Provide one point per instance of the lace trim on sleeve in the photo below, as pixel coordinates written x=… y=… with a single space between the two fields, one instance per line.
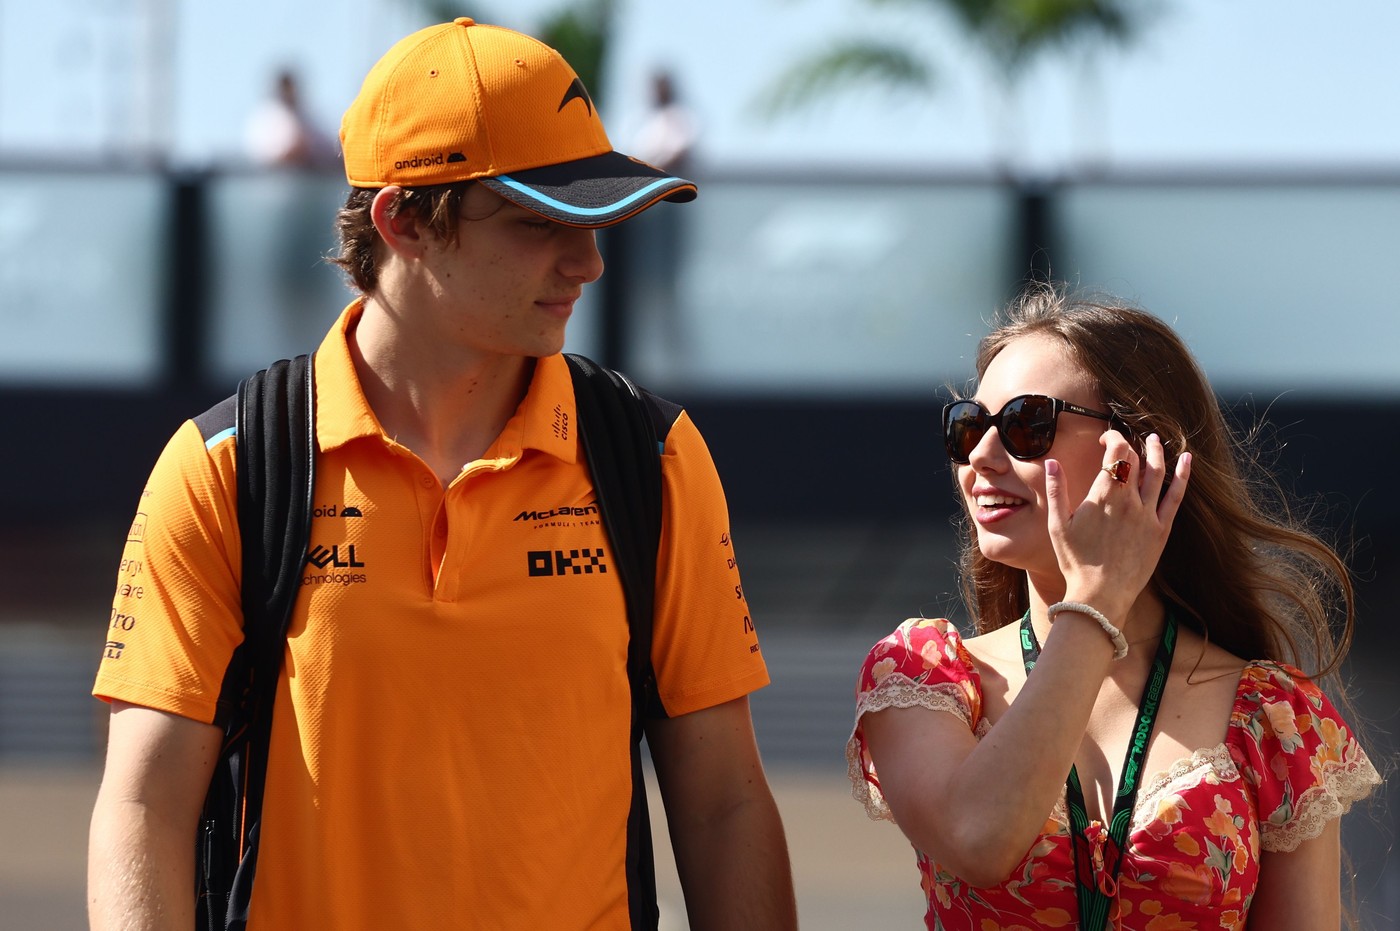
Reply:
x=1190 y=768
x=1342 y=784
x=898 y=691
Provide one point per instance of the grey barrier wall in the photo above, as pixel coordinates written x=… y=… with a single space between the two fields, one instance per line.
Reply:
x=82 y=297
x=806 y=316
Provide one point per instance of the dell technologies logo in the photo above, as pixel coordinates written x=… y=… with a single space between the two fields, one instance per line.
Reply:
x=337 y=565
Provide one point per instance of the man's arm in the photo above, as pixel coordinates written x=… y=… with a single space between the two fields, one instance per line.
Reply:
x=725 y=829
x=141 y=845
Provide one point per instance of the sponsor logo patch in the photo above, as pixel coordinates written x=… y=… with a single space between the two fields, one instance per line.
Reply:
x=588 y=510
x=337 y=510
x=429 y=159
x=550 y=563
x=333 y=563
x=577 y=91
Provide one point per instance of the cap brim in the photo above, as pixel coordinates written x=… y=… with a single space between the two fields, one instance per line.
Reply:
x=591 y=192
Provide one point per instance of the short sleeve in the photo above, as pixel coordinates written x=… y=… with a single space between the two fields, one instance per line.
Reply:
x=923 y=664
x=1293 y=749
x=176 y=617
x=704 y=644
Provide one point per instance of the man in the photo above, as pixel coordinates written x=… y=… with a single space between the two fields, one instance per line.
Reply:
x=450 y=744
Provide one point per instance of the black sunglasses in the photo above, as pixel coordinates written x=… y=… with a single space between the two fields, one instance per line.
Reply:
x=1026 y=425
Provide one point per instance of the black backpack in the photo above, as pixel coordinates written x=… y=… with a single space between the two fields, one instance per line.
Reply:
x=622 y=429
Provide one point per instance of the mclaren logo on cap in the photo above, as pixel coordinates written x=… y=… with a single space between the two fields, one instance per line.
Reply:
x=577 y=91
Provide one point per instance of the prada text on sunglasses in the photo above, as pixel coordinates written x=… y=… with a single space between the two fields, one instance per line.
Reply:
x=1026 y=425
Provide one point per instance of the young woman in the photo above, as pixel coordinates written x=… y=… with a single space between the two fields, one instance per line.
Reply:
x=1141 y=621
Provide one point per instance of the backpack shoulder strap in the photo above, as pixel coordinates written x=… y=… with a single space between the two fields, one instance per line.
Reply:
x=276 y=465
x=622 y=429
x=275 y=423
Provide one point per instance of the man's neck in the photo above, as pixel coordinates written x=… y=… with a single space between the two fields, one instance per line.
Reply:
x=446 y=403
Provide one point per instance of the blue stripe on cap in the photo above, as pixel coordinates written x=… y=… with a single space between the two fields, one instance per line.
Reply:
x=582 y=211
x=219 y=437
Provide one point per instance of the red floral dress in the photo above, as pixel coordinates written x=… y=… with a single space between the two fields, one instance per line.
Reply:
x=1288 y=765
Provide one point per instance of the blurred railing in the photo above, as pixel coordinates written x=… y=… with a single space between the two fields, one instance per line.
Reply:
x=809 y=314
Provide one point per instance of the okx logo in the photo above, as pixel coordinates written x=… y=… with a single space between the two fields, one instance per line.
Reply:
x=567 y=562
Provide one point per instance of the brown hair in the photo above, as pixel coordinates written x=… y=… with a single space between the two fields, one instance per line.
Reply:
x=438 y=206
x=1240 y=566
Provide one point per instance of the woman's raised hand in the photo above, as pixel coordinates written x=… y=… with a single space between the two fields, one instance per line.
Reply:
x=1108 y=545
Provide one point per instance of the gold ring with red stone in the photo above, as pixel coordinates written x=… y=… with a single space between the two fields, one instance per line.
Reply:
x=1118 y=470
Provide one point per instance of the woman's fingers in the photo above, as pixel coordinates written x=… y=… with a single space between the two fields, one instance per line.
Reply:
x=1059 y=508
x=1176 y=492
x=1154 y=468
x=1120 y=528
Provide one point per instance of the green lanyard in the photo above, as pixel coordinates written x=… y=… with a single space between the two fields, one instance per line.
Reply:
x=1104 y=860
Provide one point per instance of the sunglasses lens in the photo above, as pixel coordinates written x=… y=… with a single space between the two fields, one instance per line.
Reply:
x=1028 y=426
x=965 y=423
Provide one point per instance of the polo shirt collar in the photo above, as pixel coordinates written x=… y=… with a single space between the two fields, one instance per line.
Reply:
x=546 y=419
x=342 y=413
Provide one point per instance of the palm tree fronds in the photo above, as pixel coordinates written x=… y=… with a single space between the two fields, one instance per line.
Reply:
x=1015 y=31
x=842 y=67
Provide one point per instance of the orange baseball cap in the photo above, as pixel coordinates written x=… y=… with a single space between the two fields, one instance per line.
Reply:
x=465 y=101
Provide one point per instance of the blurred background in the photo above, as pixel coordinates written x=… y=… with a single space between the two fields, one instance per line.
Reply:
x=877 y=179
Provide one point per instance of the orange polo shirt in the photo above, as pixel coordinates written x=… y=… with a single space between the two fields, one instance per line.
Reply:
x=450 y=745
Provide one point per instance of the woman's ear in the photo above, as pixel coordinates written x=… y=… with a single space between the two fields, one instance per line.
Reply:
x=399 y=228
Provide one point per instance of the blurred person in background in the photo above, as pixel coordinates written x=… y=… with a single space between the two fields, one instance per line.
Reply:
x=281 y=134
x=1141 y=615
x=654 y=245
x=295 y=159
x=451 y=737
x=668 y=134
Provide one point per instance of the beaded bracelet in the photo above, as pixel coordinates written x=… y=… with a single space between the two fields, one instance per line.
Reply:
x=1120 y=643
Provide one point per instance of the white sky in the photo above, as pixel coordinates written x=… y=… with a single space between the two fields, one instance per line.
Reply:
x=1233 y=83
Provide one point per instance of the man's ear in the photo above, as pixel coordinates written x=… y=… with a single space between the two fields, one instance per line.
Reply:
x=399 y=229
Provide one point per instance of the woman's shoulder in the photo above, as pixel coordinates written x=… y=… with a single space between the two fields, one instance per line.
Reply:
x=1294 y=747
x=1276 y=701
x=1266 y=681
x=922 y=664
x=919 y=649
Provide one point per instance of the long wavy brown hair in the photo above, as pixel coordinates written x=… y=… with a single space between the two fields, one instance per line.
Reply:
x=1240 y=564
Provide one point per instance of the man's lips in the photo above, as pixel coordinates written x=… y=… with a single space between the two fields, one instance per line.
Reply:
x=559 y=305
